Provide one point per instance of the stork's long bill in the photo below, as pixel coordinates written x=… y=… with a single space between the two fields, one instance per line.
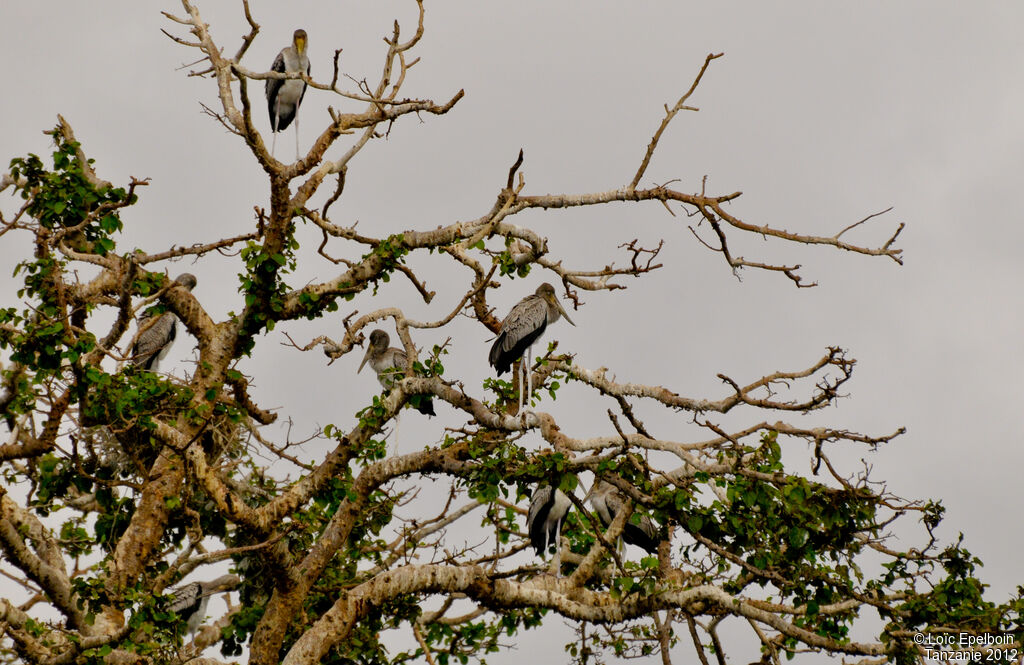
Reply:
x=299 y=40
x=561 y=310
x=366 y=357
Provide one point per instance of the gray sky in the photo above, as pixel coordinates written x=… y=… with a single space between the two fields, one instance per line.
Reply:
x=821 y=113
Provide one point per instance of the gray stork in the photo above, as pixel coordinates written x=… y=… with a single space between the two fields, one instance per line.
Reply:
x=607 y=501
x=285 y=95
x=548 y=509
x=189 y=601
x=156 y=337
x=521 y=328
x=389 y=364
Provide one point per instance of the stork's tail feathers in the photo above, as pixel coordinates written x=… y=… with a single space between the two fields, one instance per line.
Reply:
x=499 y=361
x=146 y=362
x=426 y=405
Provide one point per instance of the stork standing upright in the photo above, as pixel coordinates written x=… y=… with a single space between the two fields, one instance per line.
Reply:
x=155 y=337
x=285 y=95
x=189 y=601
x=521 y=328
x=548 y=509
x=607 y=501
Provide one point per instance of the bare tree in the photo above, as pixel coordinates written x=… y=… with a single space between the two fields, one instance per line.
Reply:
x=119 y=481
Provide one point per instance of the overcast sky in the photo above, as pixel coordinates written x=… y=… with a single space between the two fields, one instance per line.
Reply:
x=821 y=113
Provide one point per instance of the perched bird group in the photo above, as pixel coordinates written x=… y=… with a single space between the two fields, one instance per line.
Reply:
x=549 y=506
x=523 y=326
x=520 y=329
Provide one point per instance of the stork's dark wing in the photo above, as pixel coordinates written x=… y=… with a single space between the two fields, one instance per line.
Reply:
x=540 y=507
x=521 y=328
x=155 y=337
x=274 y=85
x=640 y=530
x=644 y=535
x=186 y=599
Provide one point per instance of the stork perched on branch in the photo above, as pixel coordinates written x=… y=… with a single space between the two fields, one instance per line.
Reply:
x=608 y=501
x=389 y=364
x=548 y=509
x=522 y=327
x=189 y=601
x=156 y=336
x=285 y=95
